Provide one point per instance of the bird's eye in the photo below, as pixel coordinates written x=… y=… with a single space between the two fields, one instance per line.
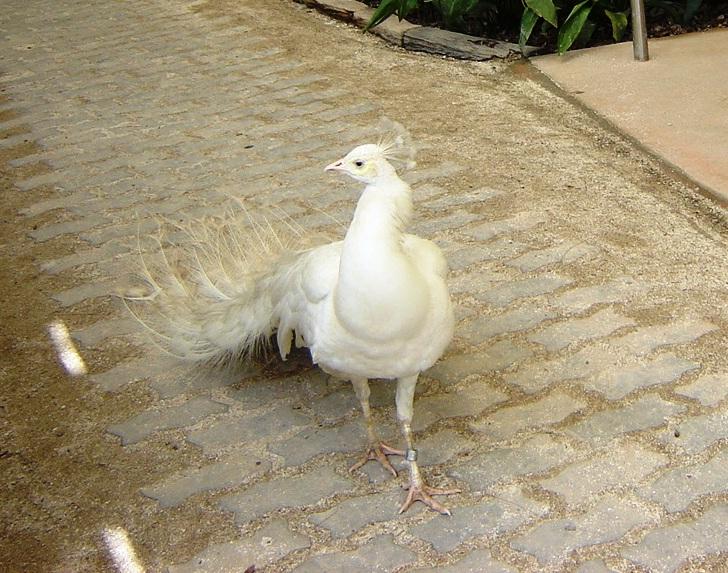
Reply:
x=358 y=163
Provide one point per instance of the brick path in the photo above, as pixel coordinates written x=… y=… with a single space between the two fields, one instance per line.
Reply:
x=582 y=408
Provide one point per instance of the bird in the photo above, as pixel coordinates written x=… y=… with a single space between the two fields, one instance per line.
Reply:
x=374 y=305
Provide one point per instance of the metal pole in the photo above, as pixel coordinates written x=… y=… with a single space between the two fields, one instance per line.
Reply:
x=639 y=31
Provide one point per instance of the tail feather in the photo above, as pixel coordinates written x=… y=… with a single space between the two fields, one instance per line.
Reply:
x=209 y=293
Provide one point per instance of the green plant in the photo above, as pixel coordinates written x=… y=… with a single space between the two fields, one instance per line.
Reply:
x=573 y=21
x=679 y=11
x=578 y=24
x=387 y=8
x=452 y=12
x=691 y=8
x=581 y=21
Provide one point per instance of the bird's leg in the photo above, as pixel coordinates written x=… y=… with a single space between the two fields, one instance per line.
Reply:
x=376 y=449
x=418 y=489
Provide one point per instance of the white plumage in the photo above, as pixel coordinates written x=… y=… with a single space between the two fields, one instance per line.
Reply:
x=374 y=305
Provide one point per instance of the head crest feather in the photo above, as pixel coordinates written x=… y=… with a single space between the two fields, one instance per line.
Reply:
x=395 y=144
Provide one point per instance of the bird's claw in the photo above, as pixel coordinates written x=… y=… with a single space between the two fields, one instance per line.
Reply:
x=424 y=494
x=378 y=452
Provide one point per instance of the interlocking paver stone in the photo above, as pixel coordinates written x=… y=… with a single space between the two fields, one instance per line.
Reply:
x=521 y=222
x=709 y=390
x=376 y=473
x=317 y=440
x=14 y=140
x=305 y=489
x=697 y=433
x=625 y=465
x=379 y=555
x=266 y=546
x=353 y=514
x=336 y=405
x=508 y=421
x=143 y=425
x=426 y=192
x=665 y=549
x=444 y=169
x=230 y=471
x=246 y=428
x=665 y=368
x=677 y=488
x=648 y=338
x=610 y=519
x=599 y=361
x=595 y=566
x=476 y=280
x=535 y=455
x=103 y=329
x=261 y=391
x=489 y=517
x=647 y=412
x=563 y=253
x=185 y=380
x=498 y=249
x=504 y=294
x=498 y=356
x=478 y=561
x=451 y=221
x=600 y=324
x=67 y=227
x=77 y=294
x=469 y=400
x=582 y=298
x=441 y=446
x=481 y=329
x=461 y=198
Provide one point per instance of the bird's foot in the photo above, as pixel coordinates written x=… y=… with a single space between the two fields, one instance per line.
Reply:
x=378 y=452
x=424 y=493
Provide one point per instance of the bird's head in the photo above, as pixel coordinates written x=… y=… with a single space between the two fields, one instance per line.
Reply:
x=367 y=163
x=372 y=162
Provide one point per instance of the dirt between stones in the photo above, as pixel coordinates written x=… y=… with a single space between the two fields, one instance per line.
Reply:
x=64 y=477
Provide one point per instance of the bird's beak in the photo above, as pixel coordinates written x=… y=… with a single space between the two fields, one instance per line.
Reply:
x=335 y=166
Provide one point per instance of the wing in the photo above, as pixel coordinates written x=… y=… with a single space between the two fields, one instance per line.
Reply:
x=321 y=272
x=426 y=255
x=297 y=310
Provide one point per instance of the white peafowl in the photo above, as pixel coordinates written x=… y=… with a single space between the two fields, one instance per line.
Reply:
x=374 y=305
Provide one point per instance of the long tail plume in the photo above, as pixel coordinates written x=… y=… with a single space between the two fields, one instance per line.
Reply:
x=204 y=297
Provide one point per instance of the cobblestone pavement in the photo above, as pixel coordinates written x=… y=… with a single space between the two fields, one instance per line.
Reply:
x=582 y=407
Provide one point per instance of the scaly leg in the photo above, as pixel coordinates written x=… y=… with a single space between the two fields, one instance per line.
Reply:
x=376 y=450
x=418 y=489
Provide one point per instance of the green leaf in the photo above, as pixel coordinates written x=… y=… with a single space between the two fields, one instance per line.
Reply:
x=545 y=9
x=691 y=8
x=453 y=11
x=388 y=7
x=571 y=28
x=385 y=9
x=586 y=33
x=619 y=23
x=528 y=21
x=405 y=7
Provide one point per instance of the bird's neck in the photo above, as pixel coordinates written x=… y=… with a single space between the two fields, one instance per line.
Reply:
x=383 y=211
x=379 y=289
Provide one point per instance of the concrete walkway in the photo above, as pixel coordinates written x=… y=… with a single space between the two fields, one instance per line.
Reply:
x=676 y=104
x=582 y=408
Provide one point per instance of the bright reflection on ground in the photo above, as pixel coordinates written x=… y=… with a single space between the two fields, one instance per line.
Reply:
x=121 y=551
x=66 y=349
